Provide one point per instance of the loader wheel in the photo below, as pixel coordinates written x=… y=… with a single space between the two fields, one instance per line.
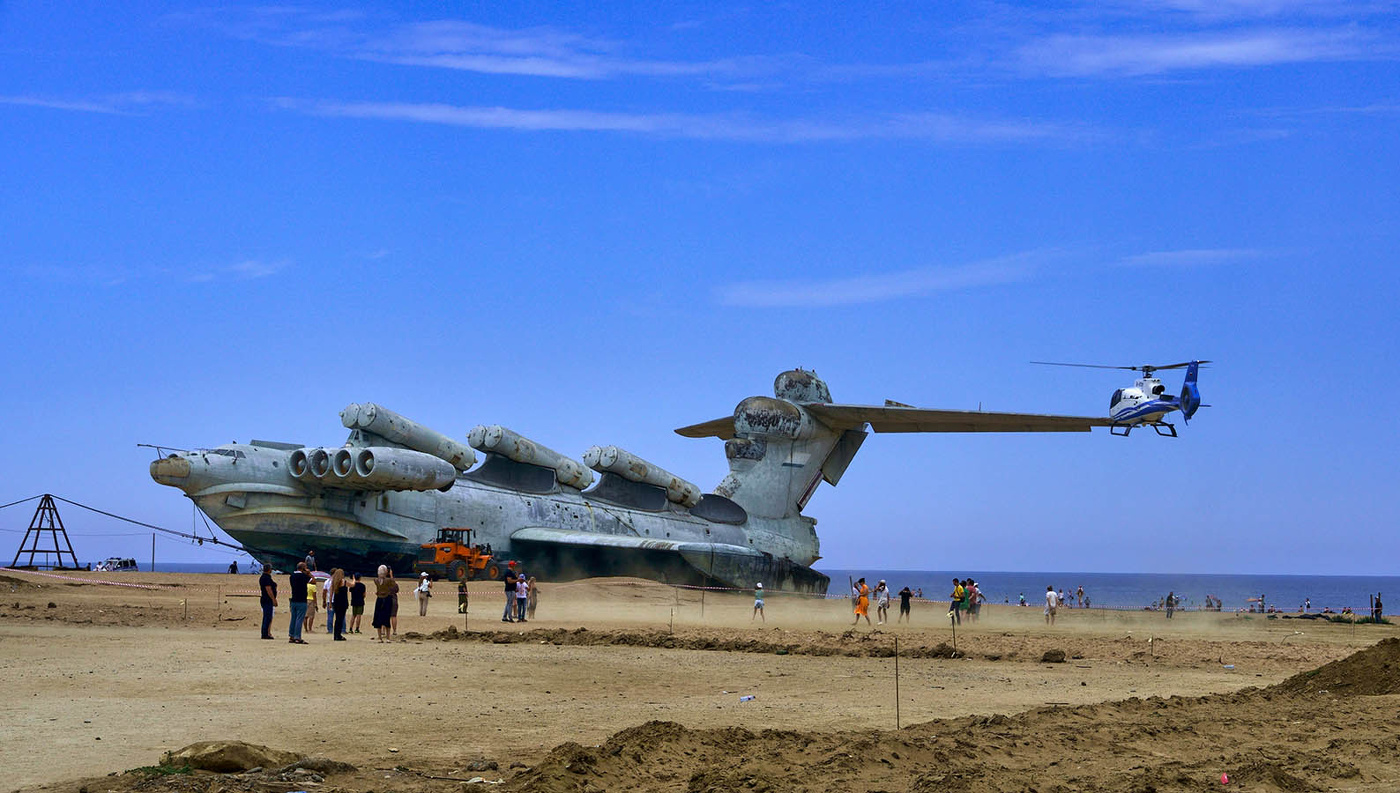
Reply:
x=493 y=572
x=458 y=571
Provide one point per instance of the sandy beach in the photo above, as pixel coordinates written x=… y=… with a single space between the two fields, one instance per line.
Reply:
x=626 y=684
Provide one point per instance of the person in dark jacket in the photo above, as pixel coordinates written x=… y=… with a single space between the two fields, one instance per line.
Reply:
x=267 y=591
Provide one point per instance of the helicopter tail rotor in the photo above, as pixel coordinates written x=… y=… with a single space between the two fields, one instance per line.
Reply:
x=1190 y=393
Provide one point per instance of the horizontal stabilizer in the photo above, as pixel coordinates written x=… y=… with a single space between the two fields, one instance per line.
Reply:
x=893 y=418
x=719 y=428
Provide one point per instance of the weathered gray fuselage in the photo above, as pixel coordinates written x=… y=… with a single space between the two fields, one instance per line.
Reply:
x=530 y=503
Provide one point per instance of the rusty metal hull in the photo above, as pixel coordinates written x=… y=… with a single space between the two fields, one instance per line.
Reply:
x=358 y=531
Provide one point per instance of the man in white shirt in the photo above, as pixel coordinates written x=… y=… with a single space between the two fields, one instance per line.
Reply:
x=1052 y=602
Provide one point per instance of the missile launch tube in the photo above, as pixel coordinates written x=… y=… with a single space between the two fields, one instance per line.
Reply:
x=499 y=440
x=391 y=426
x=631 y=467
x=383 y=468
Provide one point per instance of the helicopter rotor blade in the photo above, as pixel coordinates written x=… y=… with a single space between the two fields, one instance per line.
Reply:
x=1087 y=365
x=1182 y=365
x=1145 y=368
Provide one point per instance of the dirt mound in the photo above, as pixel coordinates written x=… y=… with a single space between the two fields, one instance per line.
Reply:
x=228 y=756
x=1375 y=670
x=851 y=644
x=1132 y=746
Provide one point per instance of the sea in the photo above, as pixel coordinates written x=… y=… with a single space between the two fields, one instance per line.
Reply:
x=1120 y=591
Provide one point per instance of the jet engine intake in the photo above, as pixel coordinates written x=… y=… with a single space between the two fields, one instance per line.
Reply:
x=499 y=440
x=633 y=468
x=391 y=426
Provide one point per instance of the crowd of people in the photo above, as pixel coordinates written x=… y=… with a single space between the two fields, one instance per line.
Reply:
x=343 y=598
x=862 y=594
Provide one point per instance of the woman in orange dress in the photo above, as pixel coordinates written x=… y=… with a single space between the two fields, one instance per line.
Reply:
x=862 y=602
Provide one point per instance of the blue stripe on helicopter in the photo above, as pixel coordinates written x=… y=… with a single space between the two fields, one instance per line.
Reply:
x=1145 y=409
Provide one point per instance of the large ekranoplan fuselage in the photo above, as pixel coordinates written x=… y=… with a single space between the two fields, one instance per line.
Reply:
x=519 y=509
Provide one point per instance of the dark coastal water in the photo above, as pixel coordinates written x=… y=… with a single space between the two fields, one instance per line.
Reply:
x=1137 y=590
x=1105 y=590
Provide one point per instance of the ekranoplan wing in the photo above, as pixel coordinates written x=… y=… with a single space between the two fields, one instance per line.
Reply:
x=899 y=418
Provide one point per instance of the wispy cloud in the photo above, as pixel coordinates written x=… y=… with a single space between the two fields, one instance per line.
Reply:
x=116 y=275
x=876 y=288
x=245 y=270
x=129 y=103
x=1194 y=257
x=1075 y=56
x=932 y=127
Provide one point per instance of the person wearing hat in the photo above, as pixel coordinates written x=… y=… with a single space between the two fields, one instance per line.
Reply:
x=423 y=591
x=758 y=602
x=882 y=602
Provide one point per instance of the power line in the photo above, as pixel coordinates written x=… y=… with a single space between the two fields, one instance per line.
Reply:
x=195 y=537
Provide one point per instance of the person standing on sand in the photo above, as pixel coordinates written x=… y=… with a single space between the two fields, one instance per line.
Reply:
x=1080 y=595
x=297 y=603
x=326 y=603
x=1170 y=603
x=462 y=596
x=340 y=602
x=862 y=602
x=974 y=600
x=758 y=602
x=383 y=604
x=1376 y=608
x=393 y=603
x=509 y=581
x=267 y=590
x=1052 y=603
x=311 y=561
x=423 y=591
x=905 y=596
x=534 y=598
x=311 y=597
x=882 y=602
x=357 y=604
x=956 y=601
x=522 y=595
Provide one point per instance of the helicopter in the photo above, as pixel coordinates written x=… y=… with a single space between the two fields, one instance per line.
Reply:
x=1146 y=403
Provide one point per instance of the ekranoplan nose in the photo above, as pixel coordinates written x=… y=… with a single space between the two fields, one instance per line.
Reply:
x=172 y=470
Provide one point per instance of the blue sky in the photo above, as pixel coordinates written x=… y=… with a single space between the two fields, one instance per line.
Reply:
x=596 y=224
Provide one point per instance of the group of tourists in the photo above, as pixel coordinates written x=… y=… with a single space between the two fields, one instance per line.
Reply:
x=861 y=595
x=343 y=597
x=965 y=599
x=521 y=596
x=337 y=594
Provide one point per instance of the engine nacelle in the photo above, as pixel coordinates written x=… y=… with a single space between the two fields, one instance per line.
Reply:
x=633 y=468
x=499 y=440
x=371 y=468
x=383 y=468
x=393 y=427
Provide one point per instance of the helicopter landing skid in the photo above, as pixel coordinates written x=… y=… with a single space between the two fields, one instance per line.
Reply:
x=1161 y=427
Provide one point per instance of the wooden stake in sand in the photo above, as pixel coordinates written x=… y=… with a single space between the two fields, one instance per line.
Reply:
x=952 y=620
x=896 y=682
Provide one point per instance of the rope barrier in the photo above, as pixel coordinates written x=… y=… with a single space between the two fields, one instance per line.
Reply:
x=85 y=580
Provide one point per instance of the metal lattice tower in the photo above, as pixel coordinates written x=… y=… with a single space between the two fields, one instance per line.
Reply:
x=46 y=522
